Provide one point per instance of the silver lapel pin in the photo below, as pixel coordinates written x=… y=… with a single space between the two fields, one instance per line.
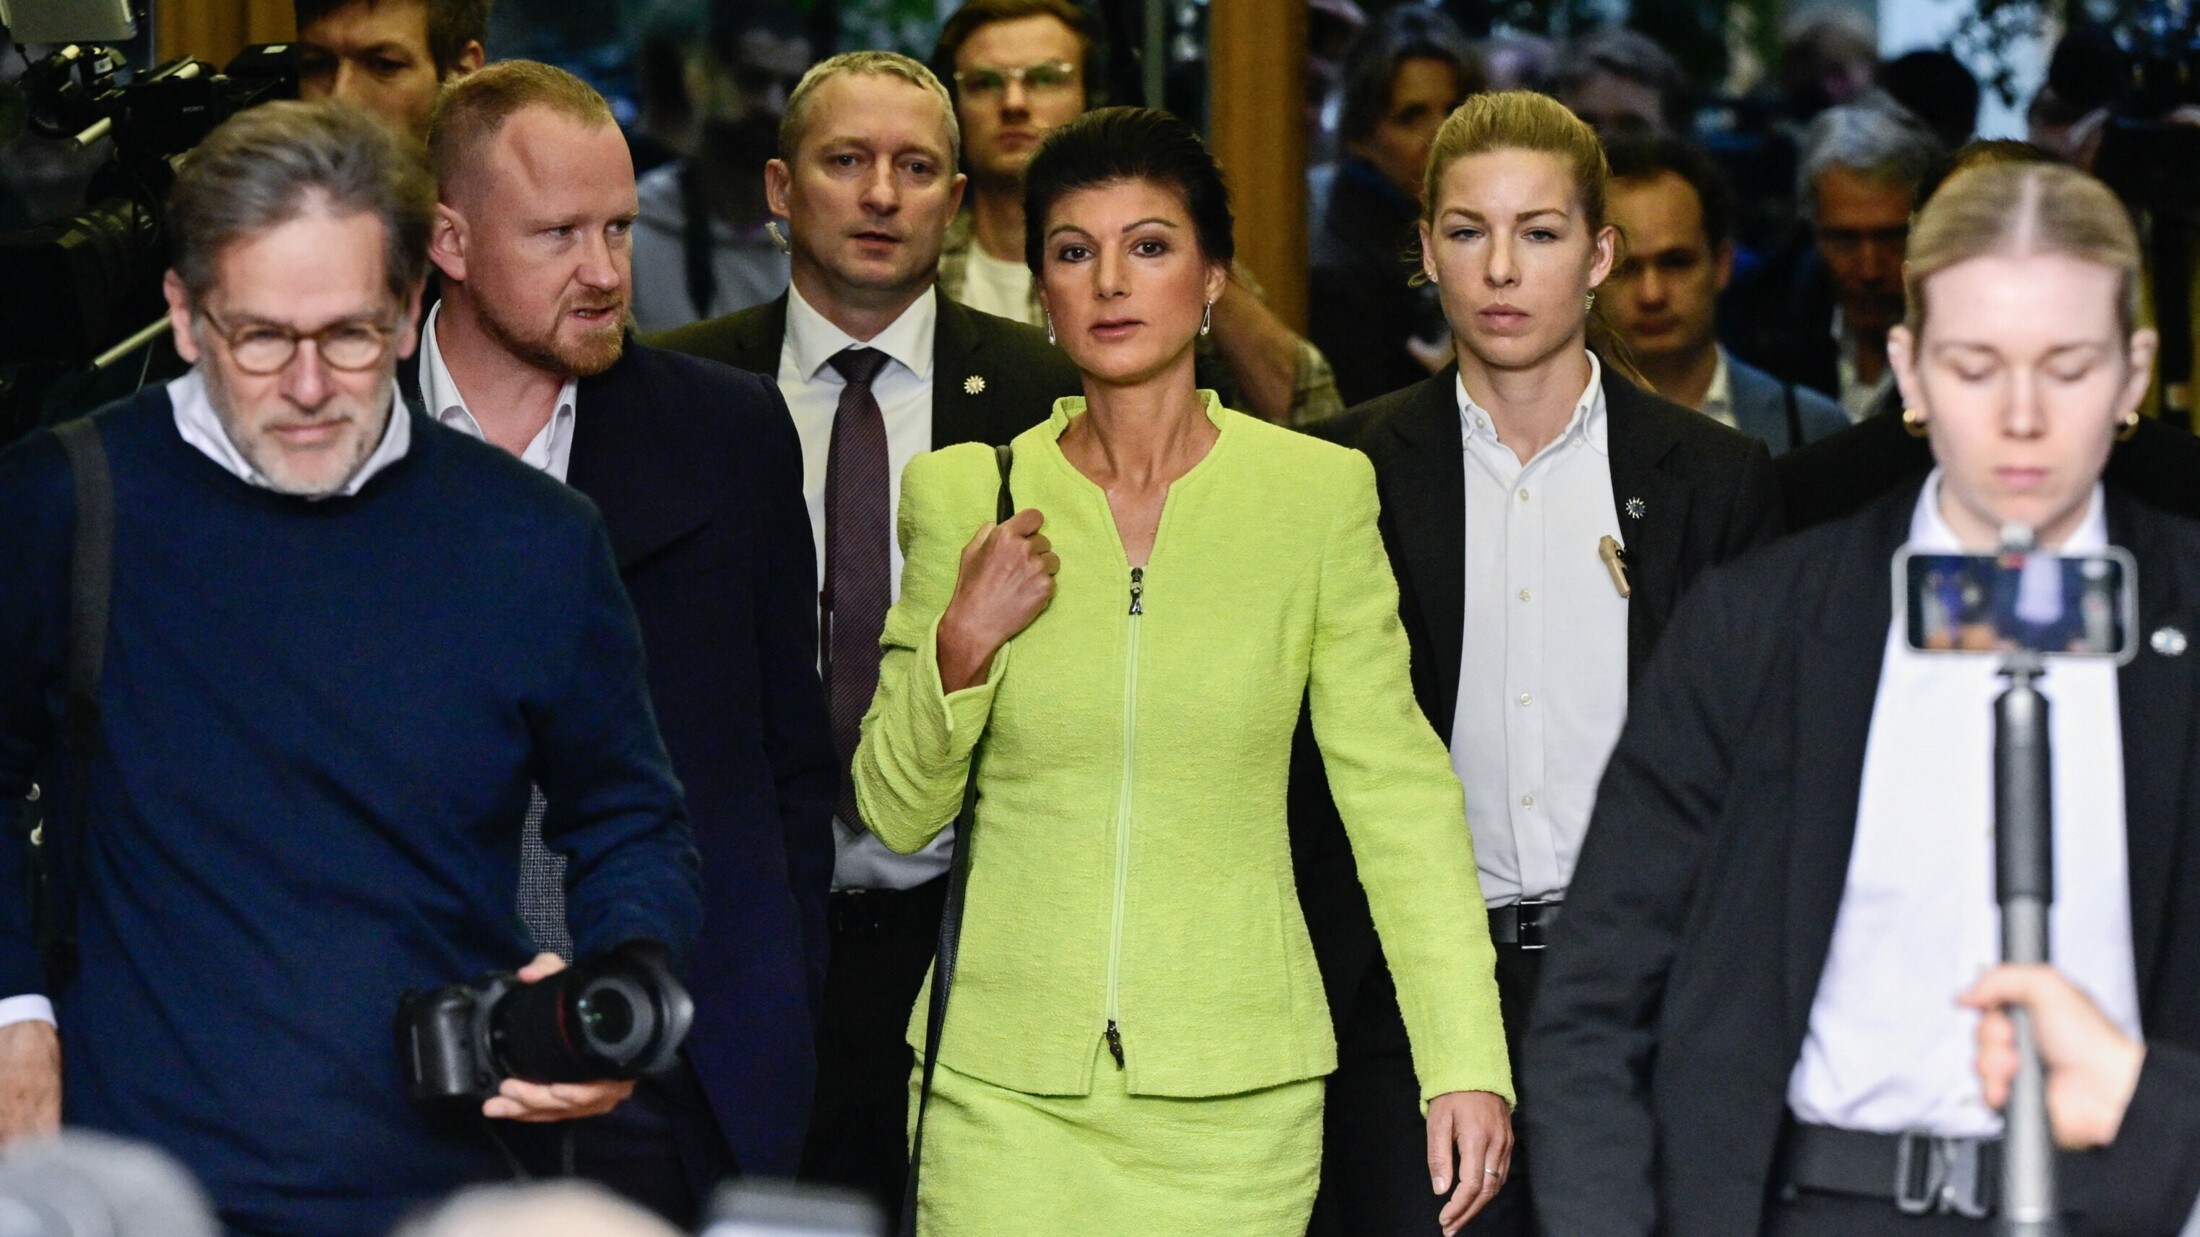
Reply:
x=1635 y=508
x=2168 y=641
x=973 y=385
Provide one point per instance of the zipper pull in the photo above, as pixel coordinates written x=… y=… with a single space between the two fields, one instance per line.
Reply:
x=1115 y=1043
x=1138 y=606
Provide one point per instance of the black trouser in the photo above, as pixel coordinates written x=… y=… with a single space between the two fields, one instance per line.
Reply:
x=1375 y=1180
x=662 y=1148
x=882 y=943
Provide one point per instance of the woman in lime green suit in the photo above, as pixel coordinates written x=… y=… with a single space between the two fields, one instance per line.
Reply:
x=1137 y=1037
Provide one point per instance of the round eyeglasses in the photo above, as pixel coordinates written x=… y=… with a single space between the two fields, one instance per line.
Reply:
x=264 y=348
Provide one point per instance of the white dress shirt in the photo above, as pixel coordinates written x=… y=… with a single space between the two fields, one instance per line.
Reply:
x=1543 y=670
x=1002 y=289
x=1718 y=398
x=1859 y=398
x=199 y=425
x=1888 y=1049
x=551 y=449
x=903 y=389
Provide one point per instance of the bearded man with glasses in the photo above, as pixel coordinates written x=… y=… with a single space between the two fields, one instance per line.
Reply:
x=340 y=642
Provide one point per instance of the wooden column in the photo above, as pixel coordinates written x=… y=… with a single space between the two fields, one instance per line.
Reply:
x=218 y=29
x=1257 y=58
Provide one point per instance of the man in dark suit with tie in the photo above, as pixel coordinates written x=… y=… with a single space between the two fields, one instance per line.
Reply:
x=698 y=473
x=876 y=366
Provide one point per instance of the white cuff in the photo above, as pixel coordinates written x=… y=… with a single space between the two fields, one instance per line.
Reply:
x=27 y=1008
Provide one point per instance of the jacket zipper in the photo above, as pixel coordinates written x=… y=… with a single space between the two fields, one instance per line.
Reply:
x=1123 y=813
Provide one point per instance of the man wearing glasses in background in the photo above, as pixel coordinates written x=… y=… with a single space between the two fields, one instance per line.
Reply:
x=1018 y=69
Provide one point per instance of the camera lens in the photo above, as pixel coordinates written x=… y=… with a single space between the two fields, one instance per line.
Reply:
x=607 y=1014
x=618 y=1015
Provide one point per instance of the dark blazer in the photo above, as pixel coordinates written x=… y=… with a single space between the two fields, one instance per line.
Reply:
x=1837 y=476
x=698 y=474
x=1707 y=495
x=992 y=379
x=1678 y=988
x=1784 y=415
x=2161 y=1137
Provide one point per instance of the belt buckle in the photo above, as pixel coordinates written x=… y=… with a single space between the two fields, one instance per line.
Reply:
x=1919 y=1174
x=1530 y=932
x=1966 y=1180
x=1940 y=1176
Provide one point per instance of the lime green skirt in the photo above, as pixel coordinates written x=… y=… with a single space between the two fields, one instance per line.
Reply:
x=999 y=1163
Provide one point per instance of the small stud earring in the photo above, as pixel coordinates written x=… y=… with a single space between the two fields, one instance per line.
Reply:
x=2129 y=427
x=1207 y=319
x=1050 y=325
x=1914 y=422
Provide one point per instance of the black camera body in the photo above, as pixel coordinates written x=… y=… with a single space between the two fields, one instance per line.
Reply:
x=619 y=1015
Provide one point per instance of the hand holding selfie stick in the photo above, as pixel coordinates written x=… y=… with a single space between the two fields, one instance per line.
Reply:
x=2024 y=870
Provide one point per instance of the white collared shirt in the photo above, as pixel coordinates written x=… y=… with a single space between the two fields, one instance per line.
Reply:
x=202 y=427
x=903 y=389
x=1888 y=1050
x=1543 y=667
x=1859 y=398
x=1718 y=398
x=551 y=449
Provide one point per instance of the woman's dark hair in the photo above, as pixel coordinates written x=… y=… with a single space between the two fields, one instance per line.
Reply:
x=1371 y=64
x=1127 y=143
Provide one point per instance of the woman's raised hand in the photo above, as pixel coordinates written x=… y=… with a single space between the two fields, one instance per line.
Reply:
x=1007 y=578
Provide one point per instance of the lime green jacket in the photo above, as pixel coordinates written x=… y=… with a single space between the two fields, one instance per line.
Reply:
x=1130 y=864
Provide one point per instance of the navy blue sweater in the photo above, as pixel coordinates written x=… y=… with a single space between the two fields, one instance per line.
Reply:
x=321 y=719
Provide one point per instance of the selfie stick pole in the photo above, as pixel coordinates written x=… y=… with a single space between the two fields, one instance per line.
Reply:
x=2025 y=886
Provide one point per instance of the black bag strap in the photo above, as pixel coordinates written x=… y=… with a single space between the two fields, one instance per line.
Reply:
x=1795 y=418
x=958 y=885
x=91 y=585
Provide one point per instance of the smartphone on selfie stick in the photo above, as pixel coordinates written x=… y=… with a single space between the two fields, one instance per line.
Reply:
x=2022 y=606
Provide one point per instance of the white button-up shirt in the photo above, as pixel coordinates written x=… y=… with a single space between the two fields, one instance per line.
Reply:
x=903 y=389
x=1888 y=1049
x=1718 y=398
x=1543 y=670
x=551 y=449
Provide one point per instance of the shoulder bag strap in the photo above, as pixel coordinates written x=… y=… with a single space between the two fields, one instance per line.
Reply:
x=958 y=885
x=91 y=583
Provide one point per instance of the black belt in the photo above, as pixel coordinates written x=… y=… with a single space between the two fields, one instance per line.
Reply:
x=890 y=912
x=1919 y=1173
x=1525 y=924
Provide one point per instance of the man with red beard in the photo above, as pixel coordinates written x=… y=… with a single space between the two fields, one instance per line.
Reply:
x=698 y=472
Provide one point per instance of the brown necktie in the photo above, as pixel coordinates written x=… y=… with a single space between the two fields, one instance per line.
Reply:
x=858 y=559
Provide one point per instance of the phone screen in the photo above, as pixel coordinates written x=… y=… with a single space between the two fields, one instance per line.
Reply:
x=2078 y=605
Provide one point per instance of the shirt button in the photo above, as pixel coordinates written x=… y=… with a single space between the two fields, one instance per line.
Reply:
x=1527 y=800
x=1523 y=594
x=1526 y=699
x=1523 y=496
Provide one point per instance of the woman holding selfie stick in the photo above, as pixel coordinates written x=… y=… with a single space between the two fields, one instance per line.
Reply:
x=1136 y=1037
x=1749 y=1018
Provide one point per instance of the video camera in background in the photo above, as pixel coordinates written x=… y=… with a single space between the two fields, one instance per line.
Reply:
x=79 y=286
